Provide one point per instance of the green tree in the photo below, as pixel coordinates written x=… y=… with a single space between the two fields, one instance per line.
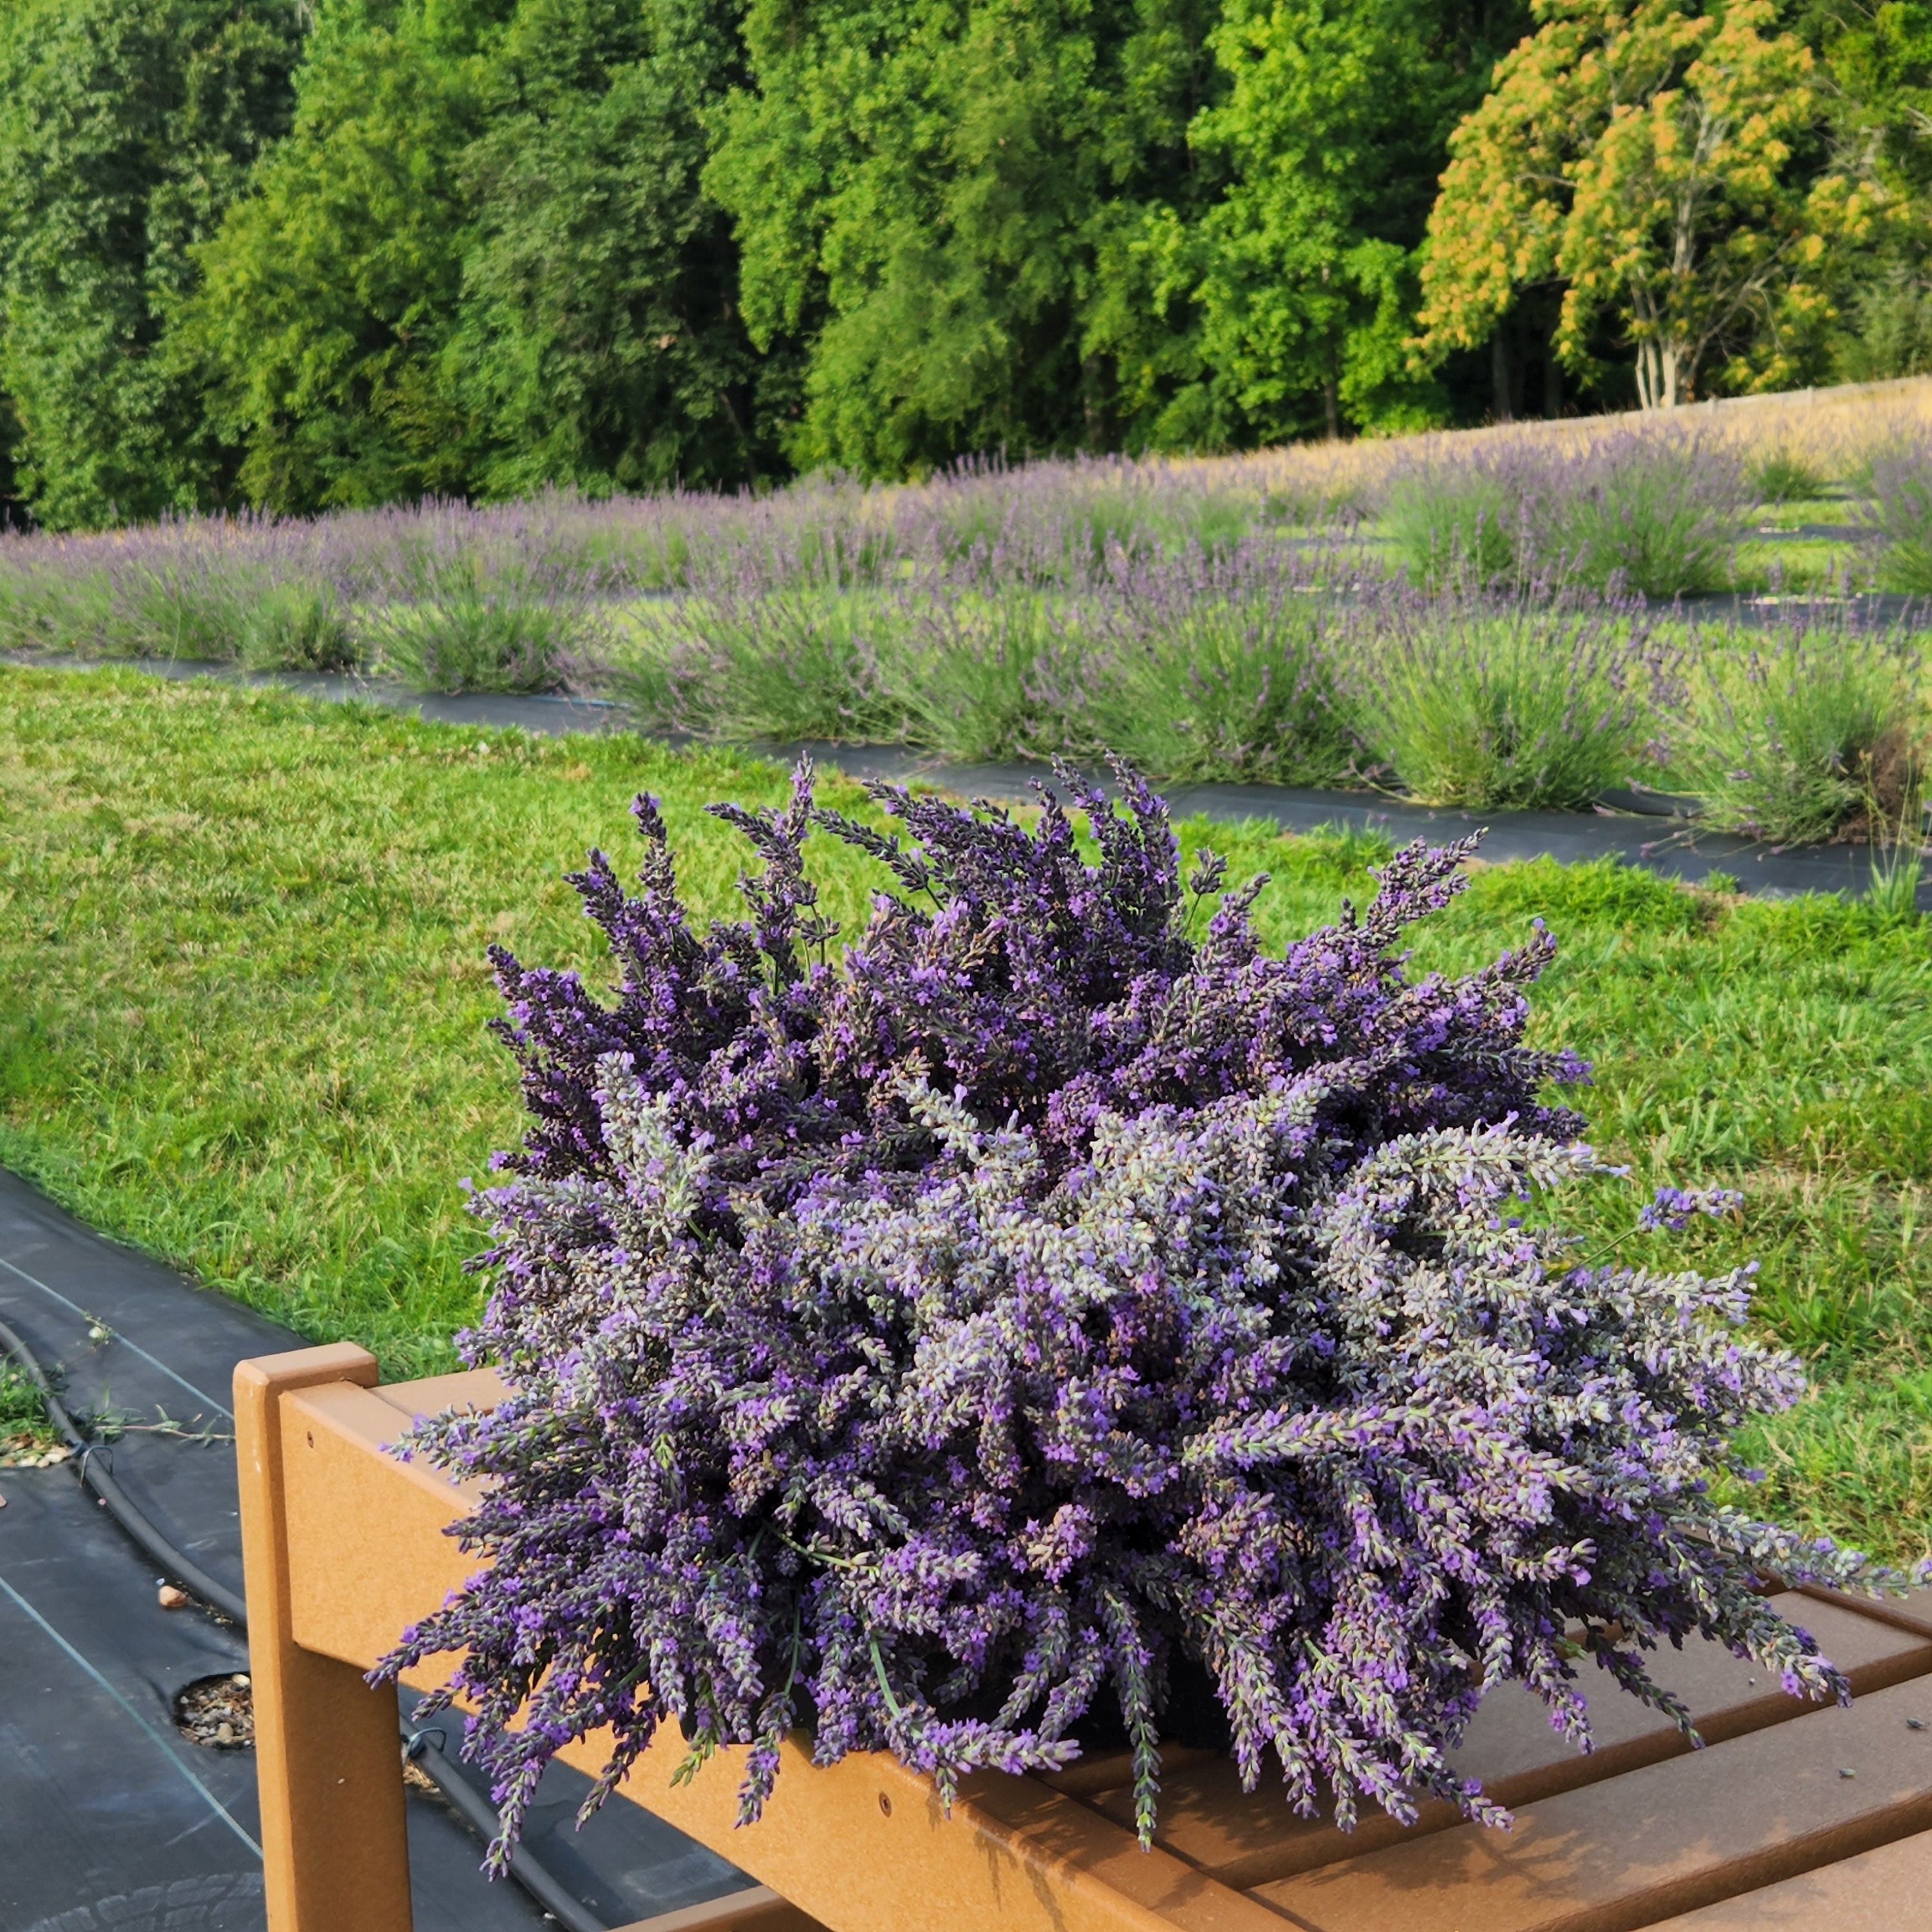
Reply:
x=1878 y=57
x=943 y=197
x=12 y=510
x=598 y=337
x=322 y=325
x=483 y=262
x=1652 y=158
x=1334 y=129
x=127 y=128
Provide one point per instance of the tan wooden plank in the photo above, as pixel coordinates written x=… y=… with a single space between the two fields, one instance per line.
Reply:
x=1913 y=1611
x=1728 y=1697
x=758 y=1909
x=864 y=1846
x=1087 y=1777
x=1889 y=1890
x=367 y=1552
x=1245 y=1839
x=462 y=1388
x=1665 y=1839
x=379 y=1560
x=334 y=1836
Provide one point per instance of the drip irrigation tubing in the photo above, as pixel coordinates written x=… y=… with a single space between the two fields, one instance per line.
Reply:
x=423 y=1748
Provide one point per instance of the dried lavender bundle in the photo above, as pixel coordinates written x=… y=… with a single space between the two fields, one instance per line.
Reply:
x=934 y=1349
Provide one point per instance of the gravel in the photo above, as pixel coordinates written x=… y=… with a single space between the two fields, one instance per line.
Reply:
x=217 y=1713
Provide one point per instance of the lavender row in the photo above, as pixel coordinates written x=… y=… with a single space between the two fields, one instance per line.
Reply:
x=1273 y=668
x=1449 y=619
x=1655 y=508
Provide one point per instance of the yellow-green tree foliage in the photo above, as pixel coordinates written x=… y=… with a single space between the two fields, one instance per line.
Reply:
x=1659 y=160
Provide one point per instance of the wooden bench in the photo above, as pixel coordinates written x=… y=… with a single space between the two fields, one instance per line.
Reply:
x=1794 y=1815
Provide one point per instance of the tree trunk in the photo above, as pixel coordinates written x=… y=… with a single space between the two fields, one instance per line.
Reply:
x=1499 y=374
x=1331 y=390
x=1552 y=385
x=1658 y=370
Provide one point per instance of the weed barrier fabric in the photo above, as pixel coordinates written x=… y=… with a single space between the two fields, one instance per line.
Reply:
x=1644 y=834
x=132 y=1339
x=1675 y=848
x=112 y=1818
x=1868 y=610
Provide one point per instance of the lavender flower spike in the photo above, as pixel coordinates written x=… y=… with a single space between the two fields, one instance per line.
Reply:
x=962 y=1348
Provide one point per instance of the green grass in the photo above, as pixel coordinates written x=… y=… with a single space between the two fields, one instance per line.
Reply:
x=1796 y=510
x=1794 y=565
x=25 y=1433
x=244 y=1025
x=243 y=950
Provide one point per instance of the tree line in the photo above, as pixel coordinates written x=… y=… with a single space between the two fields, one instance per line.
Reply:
x=305 y=253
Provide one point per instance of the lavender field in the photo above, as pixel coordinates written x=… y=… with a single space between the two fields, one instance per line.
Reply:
x=1488 y=619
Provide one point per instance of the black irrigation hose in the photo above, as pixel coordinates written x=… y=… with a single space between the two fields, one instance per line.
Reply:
x=96 y=1475
x=422 y=1748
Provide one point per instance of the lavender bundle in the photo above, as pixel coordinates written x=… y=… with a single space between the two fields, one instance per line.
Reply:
x=946 y=1349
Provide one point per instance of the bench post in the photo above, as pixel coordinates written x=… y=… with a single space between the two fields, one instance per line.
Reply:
x=328 y=1756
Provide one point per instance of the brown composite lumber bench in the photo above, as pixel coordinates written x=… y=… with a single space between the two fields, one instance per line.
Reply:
x=1795 y=1815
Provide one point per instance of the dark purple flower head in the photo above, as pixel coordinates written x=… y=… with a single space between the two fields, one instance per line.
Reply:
x=957 y=1349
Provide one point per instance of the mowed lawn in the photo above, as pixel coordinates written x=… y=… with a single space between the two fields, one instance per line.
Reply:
x=245 y=998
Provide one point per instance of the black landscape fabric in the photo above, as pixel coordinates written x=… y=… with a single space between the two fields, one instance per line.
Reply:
x=109 y=1816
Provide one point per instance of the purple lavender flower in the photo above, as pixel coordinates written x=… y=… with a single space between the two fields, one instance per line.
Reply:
x=952 y=1350
x=1676 y=1208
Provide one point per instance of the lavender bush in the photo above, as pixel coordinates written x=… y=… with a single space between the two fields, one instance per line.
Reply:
x=934 y=1349
x=1462 y=522
x=996 y=612
x=1802 y=733
x=1232 y=667
x=1201 y=664
x=956 y=659
x=297 y=626
x=1060 y=521
x=980 y=668
x=200 y=588
x=442 y=594
x=48 y=601
x=1784 y=473
x=1657 y=516
x=1506 y=702
x=1627 y=509
x=1899 y=514
x=758 y=650
x=506 y=608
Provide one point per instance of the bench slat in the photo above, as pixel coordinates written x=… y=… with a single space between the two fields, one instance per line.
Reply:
x=1245 y=1839
x=1889 y=1890
x=1665 y=1839
x=1911 y=1613
x=757 y=1908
